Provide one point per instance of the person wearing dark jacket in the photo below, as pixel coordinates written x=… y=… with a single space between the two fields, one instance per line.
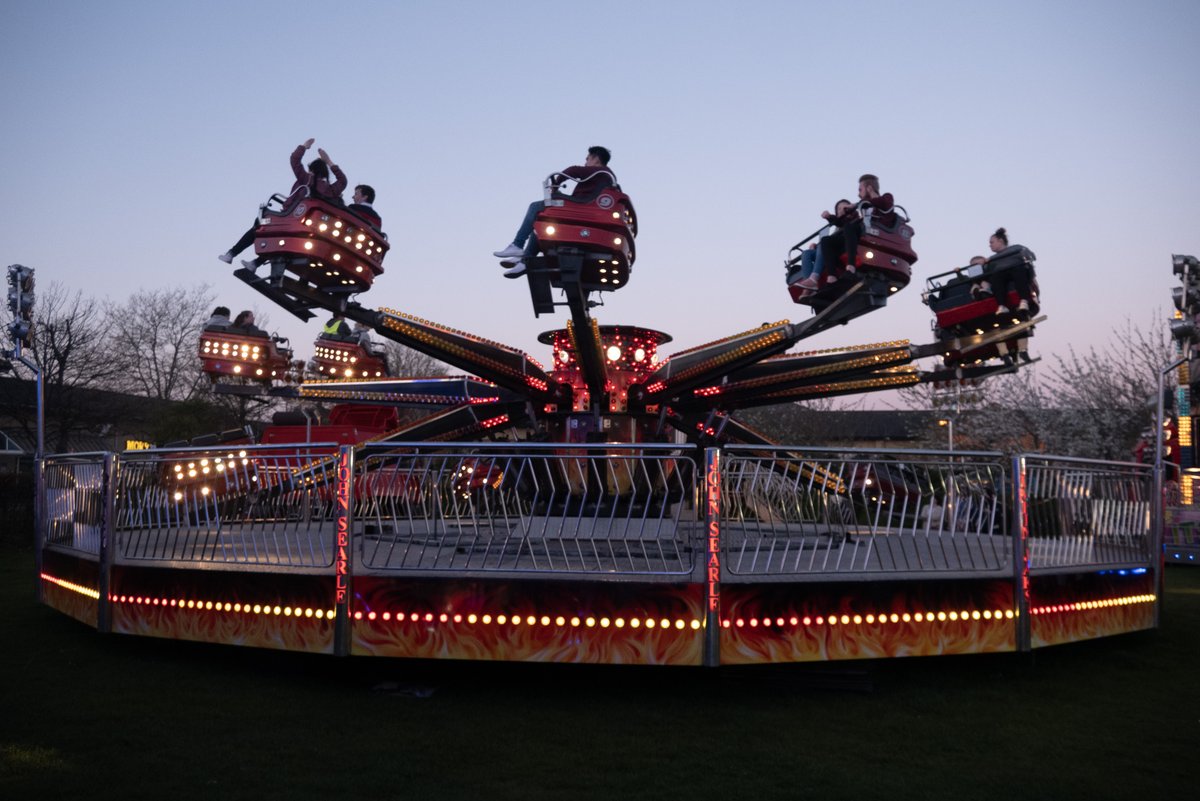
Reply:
x=364 y=197
x=846 y=239
x=593 y=175
x=315 y=178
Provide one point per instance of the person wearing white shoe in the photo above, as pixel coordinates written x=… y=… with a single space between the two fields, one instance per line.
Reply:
x=594 y=171
x=515 y=270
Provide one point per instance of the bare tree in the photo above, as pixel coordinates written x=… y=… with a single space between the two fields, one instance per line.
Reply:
x=406 y=362
x=158 y=331
x=70 y=343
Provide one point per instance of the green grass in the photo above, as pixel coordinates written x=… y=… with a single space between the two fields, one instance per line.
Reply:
x=86 y=716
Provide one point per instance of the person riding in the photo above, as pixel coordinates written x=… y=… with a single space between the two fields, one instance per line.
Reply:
x=364 y=198
x=245 y=320
x=594 y=172
x=336 y=327
x=845 y=240
x=812 y=264
x=220 y=316
x=315 y=178
x=1018 y=278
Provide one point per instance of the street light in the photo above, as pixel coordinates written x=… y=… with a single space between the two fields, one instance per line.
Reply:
x=948 y=423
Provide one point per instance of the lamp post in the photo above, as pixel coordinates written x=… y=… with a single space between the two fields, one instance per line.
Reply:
x=948 y=423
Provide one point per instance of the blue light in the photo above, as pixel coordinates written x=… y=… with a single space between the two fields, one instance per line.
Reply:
x=1138 y=571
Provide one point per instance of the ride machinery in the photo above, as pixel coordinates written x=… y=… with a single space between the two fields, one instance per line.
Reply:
x=604 y=383
x=553 y=511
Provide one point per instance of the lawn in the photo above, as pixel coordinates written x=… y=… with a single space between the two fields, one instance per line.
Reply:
x=87 y=716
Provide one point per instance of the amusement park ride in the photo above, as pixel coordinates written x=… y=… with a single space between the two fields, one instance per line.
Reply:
x=604 y=383
x=606 y=508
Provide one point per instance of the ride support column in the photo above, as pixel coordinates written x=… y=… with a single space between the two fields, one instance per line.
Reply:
x=342 y=550
x=712 y=556
x=1020 y=537
x=107 y=535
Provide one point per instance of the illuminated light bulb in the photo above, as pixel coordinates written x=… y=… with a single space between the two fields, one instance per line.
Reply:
x=486 y=620
x=650 y=622
x=753 y=622
x=208 y=606
x=857 y=619
x=308 y=245
x=458 y=618
x=501 y=619
x=551 y=230
x=605 y=622
x=807 y=620
x=616 y=240
x=870 y=254
x=635 y=623
x=616 y=215
x=337 y=224
x=975 y=615
x=696 y=624
x=471 y=618
x=358 y=615
x=619 y=622
x=666 y=624
x=575 y=621
x=281 y=242
x=639 y=355
x=870 y=619
x=679 y=624
x=560 y=621
x=358 y=269
x=308 y=612
x=941 y=616
x=953 y=615
x=322 y=227
x=237 y=368
x=906 y=617
x=204 y=490
x=308 y=222
x=336 y=257
x=590 y=622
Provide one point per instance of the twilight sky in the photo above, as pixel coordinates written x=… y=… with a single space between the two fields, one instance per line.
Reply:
x=141 y=137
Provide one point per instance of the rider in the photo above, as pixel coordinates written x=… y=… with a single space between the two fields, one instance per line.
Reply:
x=846 y=239
x=316 y=178
x=594 y=171
x=812 y=263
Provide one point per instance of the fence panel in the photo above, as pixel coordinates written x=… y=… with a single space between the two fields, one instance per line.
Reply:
x=1085 y=514
x=264 y=505
x=604 y=510
x=883 y=514
x=74 y=491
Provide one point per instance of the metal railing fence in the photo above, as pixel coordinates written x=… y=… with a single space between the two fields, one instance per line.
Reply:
x=1082 y=513
x=74 y=501
x=810 y=513
x=604 y=511
x=610 y=510
x=262 y=505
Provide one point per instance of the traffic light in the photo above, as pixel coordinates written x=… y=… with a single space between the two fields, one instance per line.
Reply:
x=20 y=302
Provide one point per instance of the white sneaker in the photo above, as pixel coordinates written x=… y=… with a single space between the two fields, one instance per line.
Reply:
x=516 y=271
x=226 y=257
x=1001 y=309
x=511 y=250
x=509 y=261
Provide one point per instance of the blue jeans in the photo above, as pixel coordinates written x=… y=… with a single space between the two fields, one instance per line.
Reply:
x=811 y=263
x=527 y=224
